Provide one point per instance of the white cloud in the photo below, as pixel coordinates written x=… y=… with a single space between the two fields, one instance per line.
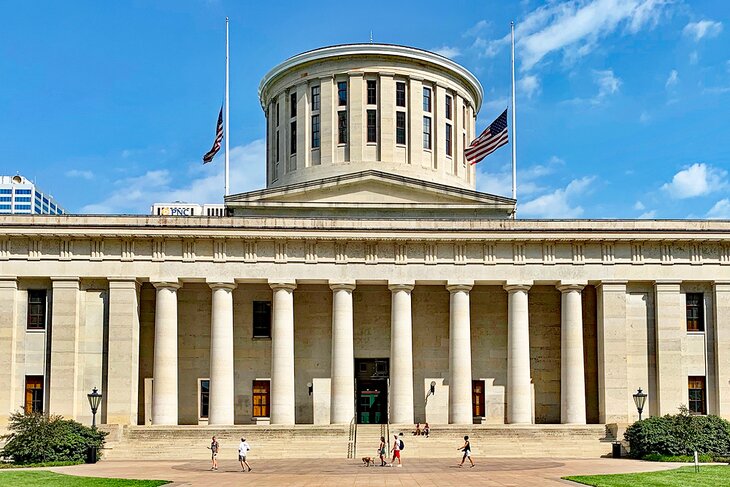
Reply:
x=644 y=117
x=474 y=30
x=528 y=178
x=496 y=105
x=648 y=215
x=78 y=173
x=137 y=194
x=448 y=51
x=703 y=28
x=720 y=210
x=697 y=180
x=672 y=79
x=694 y=57
x=529 y=85
x=639 y=206
x=607 y=82
x=559 y=203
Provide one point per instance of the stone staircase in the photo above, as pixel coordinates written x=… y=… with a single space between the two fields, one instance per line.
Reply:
x=309 y=441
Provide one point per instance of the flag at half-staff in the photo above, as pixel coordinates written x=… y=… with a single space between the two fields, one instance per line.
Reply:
x=208 y=157
x=493 y=137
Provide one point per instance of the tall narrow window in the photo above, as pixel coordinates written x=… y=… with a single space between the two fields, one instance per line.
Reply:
x=342 y=93
x=426 y=99
x=36 y=309
x=33 y=394
x=293 y=105
x=262 y=319
x=400 y=128
x=342 y=127
x=426 y=132
x=372 y=92
x=315 y=131
x=448 y=139
x=448 y=107
x=315 y=98
x=276 y=147
x=400 y=94
x=277 y=113
x=372 y=126
x=204 y=388
x=293 y=138
x=695 y=314
x=697 y=395
x=260 y=393
x=477 y=398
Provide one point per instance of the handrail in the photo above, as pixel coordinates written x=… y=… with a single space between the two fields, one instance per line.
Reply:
x=352 y=438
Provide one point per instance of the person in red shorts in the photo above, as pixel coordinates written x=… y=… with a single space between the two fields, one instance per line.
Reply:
x=396 y=451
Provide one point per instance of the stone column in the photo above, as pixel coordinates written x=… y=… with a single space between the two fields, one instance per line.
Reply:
x=164 y=384
x=220 y=410
x=64 y=375
x=342 y=396
x=401 y=355
x=123 y=374
x=671 y=330
x=613 y=387
x=721 y=320
x=8 y=323
x=460 y=386
x=519 y=390
x=282 y=353
x=572 y=370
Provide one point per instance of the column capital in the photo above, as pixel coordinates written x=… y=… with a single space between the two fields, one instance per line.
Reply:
x=723 y=286
x=124 y=282
x=66 y=282
x=568 y=286
x=167 y=285
x=511 y=287
x=456 y=286
x=613 y=285
x=401 y=286
x=667 y=285
x=338 y=285
x=222 y=285
x=283 y=284
x=8 y=282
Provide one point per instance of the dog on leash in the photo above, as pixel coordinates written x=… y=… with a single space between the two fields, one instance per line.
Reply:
x=367 y=461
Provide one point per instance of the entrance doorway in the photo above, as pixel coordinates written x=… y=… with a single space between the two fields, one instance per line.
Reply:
x=371 y=379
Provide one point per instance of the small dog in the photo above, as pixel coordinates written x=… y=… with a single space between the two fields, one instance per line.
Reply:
x=367 y=461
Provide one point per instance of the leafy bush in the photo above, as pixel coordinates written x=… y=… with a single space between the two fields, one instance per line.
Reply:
x=37 y=438
x=679 y=434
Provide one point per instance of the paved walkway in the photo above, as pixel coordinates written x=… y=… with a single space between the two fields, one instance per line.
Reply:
x=338 y=472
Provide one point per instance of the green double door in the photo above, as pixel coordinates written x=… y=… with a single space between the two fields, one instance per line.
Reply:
x=371 y=379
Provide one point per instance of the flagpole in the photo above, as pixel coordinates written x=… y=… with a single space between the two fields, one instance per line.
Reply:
x=227 y=132
x=514 y=129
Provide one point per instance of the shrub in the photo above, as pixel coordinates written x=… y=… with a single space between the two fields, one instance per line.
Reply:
x=37 y=438
x=679 y=435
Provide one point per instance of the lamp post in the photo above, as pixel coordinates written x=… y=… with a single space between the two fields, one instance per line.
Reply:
x=640 y=400
x=94 y=401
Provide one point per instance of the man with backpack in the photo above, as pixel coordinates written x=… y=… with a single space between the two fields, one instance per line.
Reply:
x=398 y=446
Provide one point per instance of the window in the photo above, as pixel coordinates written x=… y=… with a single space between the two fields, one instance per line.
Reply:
x=204 y=398
x=426 y=132
x=448 y=139
x=697 y=401
x=695 y=312
x=315 y=131
x=6 y=191
x=400 y=94
x=342 y=127
x=22 y=199
x=4 y=207
x=342 y=93
x=372 y=126
x=293 y=105
x=277 y=113
x=36 y=309
x=260 y=398
x=315 y=98
x=427 y=99
x=372 y=92
x=33 y=393
x=23 y=191
x=5 y=198
x=293 y=138
x=262 y=319
x=400 y=127
x=276 y=147
x=477 y=398
x=22 y=207
x=448 y=107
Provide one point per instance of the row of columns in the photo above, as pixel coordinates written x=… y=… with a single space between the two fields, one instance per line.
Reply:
x=519 y=389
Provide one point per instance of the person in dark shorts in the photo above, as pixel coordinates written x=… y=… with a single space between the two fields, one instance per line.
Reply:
x=214 y=447
x=381 y=451
x=466 y=448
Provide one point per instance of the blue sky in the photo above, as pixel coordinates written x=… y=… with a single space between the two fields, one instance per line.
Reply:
x=623 y=105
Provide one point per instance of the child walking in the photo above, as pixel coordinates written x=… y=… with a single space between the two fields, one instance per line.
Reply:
x=466 y=448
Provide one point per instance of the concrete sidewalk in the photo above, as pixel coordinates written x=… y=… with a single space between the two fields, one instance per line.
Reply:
x=338 y=472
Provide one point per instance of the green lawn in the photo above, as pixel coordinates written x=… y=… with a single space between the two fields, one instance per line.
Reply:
x=42 y=478
x=709 y=476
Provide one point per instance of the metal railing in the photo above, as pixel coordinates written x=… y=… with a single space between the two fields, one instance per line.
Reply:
x=352 y=438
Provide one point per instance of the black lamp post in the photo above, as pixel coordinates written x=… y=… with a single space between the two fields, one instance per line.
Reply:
x=639 y=400
x=94 y=401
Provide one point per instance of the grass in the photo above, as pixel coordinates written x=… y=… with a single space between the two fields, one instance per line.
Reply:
x=42 y=478
x=5 y=465
x=709 y=476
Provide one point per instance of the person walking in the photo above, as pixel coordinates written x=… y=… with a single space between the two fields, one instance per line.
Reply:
x=381 y=451
x=214 y=447
x=243 y=449
x=466 y=448
x=396 y=451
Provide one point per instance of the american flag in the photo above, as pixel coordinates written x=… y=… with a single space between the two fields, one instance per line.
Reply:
x=208 y=157
x=493 y=137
